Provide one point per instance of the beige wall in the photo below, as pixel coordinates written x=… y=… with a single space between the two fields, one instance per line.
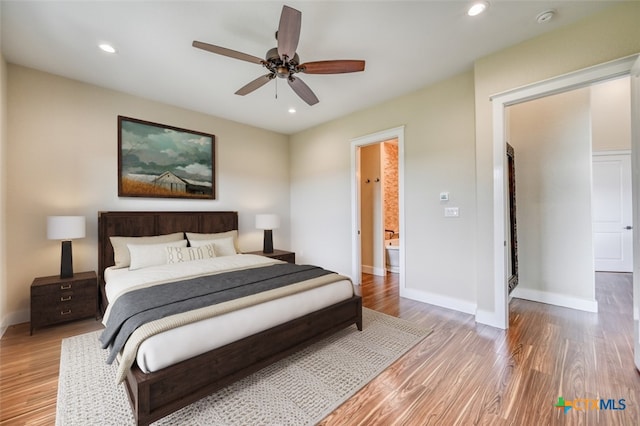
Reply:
x=449 y=147
x=62 y=159
x=611 y=115
x=551 y=137
x=612 y=34
x=439 y=155
x=3 y=191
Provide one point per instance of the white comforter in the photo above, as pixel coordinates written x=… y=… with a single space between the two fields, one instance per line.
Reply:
x=172 y=346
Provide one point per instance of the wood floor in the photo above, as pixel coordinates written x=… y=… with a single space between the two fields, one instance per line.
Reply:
x=463 y=373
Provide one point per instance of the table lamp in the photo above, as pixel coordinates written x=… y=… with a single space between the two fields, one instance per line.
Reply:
x=66 y=228
x=268 y=222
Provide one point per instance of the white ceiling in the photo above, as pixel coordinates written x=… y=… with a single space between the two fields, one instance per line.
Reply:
x=406 y=45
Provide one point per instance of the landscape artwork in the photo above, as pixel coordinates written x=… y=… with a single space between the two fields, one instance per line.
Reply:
x=156 y=160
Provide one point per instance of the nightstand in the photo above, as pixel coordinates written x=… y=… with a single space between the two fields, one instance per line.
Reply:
x=55 y=300
x=287 y=256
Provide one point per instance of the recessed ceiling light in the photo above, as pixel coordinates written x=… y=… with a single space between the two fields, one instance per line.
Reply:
x=292 y=110
x=477 y=8
x=107 y=48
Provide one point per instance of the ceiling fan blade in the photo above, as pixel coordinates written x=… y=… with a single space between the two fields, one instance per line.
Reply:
x=227 y=52
x=332 y=67
x=255 y=84
x=289 y=32
x=303 y=90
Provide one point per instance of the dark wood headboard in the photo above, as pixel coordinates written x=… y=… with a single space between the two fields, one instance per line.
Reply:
x=144 y=224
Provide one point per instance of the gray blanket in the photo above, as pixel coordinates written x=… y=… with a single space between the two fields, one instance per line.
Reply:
x=138 y=307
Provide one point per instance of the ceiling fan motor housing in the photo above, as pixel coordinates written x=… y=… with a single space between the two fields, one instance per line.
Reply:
x=280 y=68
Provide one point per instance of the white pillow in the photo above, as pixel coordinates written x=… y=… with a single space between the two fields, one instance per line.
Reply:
x=222 y=246
x=121 y=256
x=145 y=255
x=187 y=254
x=191 y=236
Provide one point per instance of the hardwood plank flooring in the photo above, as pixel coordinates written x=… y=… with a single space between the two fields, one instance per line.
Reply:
x=463 y=373
x=470 y=374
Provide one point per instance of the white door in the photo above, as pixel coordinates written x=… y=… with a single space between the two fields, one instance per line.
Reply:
x=612 y=213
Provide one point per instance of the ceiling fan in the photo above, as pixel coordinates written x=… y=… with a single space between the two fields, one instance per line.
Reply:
x=283 y=61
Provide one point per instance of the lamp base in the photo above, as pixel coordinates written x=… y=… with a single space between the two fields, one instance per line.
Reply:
x=267 y=246
x=66 y=261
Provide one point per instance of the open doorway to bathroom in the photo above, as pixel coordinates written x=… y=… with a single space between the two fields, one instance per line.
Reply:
x=379 y=208
x=377 y=194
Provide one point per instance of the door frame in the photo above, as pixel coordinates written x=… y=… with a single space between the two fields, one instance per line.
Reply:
x=500 y=316
x=356 y=244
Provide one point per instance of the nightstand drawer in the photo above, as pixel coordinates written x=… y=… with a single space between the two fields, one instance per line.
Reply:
x=61 y=312
x=82 y=287
x=77 y=297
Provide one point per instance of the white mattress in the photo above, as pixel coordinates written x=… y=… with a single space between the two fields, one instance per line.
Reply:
x=170 y=347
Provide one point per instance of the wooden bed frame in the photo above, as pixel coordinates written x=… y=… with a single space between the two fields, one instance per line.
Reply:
x=155 y=395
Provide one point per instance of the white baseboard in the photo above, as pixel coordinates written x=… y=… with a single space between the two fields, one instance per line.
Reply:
x=555 y=299
x=489 y=318
x=14 y=318
x=438 y=300
x=367 y=269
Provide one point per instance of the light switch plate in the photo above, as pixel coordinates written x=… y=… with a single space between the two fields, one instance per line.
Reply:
x=451 y=212
x=444 y=196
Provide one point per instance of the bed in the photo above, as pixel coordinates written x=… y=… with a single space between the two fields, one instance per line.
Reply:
x=156 y=394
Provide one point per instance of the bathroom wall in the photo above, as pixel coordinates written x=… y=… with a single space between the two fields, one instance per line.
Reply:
x=390 y=185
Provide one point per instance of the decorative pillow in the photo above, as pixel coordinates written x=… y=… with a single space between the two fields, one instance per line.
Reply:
x=192 y=237
x=145 y=255
x=187 y=254
x=121 y=252
x=222 y=246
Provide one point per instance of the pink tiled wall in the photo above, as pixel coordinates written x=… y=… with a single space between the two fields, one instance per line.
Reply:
x=390 y=170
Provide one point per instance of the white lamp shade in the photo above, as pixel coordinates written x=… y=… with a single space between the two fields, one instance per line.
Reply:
x=267 y=221
x=65 y=227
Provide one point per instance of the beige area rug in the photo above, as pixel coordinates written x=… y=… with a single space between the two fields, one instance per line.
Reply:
x=299 y=390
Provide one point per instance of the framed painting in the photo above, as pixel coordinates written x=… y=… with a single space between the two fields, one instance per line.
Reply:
x=156 y=160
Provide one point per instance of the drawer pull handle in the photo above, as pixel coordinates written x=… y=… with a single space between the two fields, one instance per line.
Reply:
x=65 y=298
x=65 y=286
x=67 y=312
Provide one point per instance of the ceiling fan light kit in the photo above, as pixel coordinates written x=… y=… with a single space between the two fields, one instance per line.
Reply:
x=283 y=61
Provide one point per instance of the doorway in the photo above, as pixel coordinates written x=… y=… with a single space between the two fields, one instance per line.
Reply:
x=358 y=181
x=624 y=66
x=565 y=192
x=379 y=227
x=499 y=317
